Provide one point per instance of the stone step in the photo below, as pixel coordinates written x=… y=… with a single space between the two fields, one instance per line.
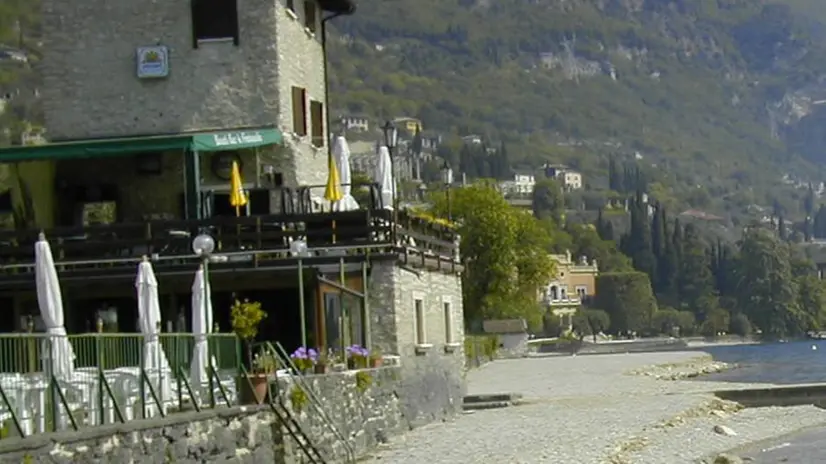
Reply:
x=495 y=397
x=487 y=405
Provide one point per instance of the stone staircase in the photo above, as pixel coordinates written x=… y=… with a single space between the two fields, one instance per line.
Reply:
x=491 y=401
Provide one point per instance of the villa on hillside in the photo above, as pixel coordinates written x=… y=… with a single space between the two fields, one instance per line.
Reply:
x=574 y=284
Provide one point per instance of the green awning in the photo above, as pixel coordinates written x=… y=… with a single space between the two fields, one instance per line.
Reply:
x=205 y=141
x=220 y=141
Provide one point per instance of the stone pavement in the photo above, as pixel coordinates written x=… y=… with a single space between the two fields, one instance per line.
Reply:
x=582 y=409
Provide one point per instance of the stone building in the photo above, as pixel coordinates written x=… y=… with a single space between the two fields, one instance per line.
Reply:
x=148 y=105
x=116 y=69
x=417 y=314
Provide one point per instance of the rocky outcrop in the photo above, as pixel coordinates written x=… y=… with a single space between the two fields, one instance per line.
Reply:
x=684 y=370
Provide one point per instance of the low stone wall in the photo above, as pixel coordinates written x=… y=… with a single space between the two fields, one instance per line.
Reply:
x=366 y=407
x=245 y=434
x=363 y=405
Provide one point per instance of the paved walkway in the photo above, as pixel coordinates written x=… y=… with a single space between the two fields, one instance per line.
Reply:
x=578 y=410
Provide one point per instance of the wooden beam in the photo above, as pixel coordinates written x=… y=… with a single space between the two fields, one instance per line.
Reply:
x=338 y=286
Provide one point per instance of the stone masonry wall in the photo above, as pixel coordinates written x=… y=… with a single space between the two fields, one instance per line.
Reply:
x=91 y=90
x=243 y=435
x=432 y=373
x=366 y=410
x=294 y=40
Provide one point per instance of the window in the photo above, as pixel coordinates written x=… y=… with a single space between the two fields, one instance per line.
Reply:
x=299 y=111
x=214 y=20
x=317 y=120
x=310 y=15
x=581 y=290
x=448 y=322
x=420 y=323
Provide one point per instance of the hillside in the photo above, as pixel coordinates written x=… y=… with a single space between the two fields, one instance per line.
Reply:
x=714 y=95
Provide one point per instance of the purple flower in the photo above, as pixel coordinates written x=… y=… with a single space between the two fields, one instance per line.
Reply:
x=357 y=351
x=312 y=354
x=300 y=353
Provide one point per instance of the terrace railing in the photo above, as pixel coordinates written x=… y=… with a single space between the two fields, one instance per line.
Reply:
x=110 y=380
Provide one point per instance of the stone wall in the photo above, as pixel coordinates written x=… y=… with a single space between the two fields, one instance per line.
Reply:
x=90 y=87
x=432 y=380
x=364 y=406
x=224 y=435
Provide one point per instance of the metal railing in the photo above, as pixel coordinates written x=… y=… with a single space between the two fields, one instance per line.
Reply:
x=113 y=377
x=313 y=400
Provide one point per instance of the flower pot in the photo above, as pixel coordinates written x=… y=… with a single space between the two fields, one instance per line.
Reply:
x=253 y=388
x=320 y=369
x=375 y=362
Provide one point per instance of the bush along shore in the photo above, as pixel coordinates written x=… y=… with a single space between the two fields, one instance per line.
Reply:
x=691 y=368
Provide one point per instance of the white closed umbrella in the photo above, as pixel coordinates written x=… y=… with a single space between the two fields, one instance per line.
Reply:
x=59 y=358
x=384 y=177
x=149 y=317
x=341 y=155
x=201 y=326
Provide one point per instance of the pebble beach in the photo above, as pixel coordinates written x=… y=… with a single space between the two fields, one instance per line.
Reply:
x=615 y=409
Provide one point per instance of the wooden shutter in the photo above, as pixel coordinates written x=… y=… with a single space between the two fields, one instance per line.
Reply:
x=299 y=111
x=317 y=118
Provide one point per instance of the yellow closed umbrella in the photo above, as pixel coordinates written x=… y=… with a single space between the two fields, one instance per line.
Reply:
x=332 y=192
x=237 y=196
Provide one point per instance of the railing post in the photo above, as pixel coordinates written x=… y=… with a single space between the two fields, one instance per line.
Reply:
x=143 y=376
x=99 y=356
x=52 y=382
x=31 y=344
x=301 y=308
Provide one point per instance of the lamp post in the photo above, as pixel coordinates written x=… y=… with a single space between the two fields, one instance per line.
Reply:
x=447 y=179
x=391 y=139
x=203 y=245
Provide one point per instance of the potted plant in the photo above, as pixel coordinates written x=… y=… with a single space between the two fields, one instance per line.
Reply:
x=375 y=359
x=322 y=365
x=357 y=357
x=304 y=359
x=246 y=317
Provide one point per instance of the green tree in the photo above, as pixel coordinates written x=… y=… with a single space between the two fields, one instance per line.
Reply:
x=766 y=291
x=696 y=285
x=586 y=241
x=628 y=299
x=637 y=243
x=591 y=322
x=548 y=200
x=666 y=320
x=740 y=325
x=717 y=321
x=505 y=251
x=811 y=298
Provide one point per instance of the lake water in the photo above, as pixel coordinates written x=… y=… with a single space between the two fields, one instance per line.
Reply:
x=779 y=363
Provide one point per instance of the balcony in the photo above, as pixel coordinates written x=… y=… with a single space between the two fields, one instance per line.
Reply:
x=247 y=242
x=563 y=302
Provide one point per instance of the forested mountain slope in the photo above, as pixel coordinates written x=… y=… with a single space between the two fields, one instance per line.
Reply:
x=720 y=95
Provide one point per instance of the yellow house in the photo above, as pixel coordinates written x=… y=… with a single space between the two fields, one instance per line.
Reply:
x=575 y=281
x=410 y=125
